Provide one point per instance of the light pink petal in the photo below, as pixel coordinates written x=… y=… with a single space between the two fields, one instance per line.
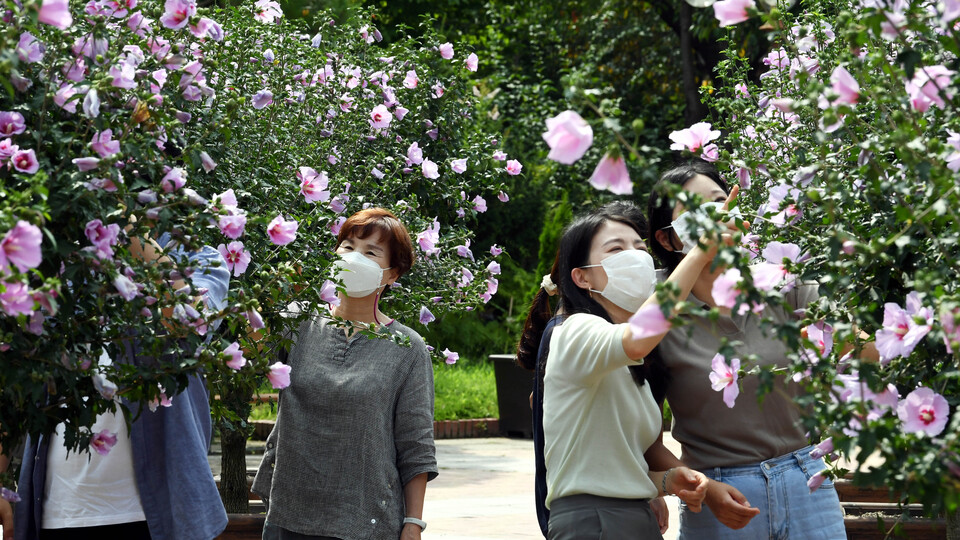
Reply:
x=569 y=136
x=648 y=321
x=730 y=394
x=766 y=276
x=724 y=289
x=279 y=375
x=56 y=13
x=729 y=12
x=611 y=174
x=845 y=85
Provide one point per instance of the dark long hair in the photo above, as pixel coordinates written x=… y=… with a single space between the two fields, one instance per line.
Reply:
x=660 y=204
x=573 y=252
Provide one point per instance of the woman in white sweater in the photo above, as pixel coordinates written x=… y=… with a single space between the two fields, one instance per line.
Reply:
x=598 y=417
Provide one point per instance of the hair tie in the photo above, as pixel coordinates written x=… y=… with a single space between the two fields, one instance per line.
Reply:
x=548 y=285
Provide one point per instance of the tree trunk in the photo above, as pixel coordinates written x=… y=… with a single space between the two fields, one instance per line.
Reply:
x=695 y=111
x=953 y=525
x=233 y=451
x=233 y=472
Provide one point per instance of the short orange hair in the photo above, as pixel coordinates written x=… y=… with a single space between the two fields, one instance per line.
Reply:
x=382 y=222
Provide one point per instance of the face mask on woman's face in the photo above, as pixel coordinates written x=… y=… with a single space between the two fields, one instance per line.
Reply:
x=360 y=276
x=689 y=226
x=631 y=278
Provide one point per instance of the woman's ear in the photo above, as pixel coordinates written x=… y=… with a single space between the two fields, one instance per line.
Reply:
x=665 y=239
x=391 y=276
x=580 y=279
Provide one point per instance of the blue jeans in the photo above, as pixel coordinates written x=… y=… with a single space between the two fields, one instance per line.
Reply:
x=778 y=487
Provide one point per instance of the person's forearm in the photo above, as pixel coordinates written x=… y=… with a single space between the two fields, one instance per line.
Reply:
x=684 y=277
x=413 y=494
x=660 y=458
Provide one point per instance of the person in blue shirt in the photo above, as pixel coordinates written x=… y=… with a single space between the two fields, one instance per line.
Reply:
x=178 y=497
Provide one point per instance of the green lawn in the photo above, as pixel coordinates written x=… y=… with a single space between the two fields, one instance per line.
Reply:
x=464 y=390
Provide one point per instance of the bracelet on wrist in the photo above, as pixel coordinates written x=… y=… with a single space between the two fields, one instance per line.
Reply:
x=663 y=482
x=416 y=521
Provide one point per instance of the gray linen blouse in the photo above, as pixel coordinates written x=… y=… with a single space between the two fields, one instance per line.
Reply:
x=354 y=426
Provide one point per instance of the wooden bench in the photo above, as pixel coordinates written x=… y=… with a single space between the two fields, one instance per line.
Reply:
x=869 y=514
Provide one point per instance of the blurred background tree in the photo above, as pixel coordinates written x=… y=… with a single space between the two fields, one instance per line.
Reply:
x=644 y=64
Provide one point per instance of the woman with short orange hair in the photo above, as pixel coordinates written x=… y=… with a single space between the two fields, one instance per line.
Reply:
x=352 y=449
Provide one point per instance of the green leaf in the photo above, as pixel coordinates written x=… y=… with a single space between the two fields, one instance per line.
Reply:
x=908 y=60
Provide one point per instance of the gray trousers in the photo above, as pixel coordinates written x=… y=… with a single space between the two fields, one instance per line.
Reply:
x=590 y=517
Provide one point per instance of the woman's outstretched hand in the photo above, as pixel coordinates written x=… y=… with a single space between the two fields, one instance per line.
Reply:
x=689 y=485
x=728 y=235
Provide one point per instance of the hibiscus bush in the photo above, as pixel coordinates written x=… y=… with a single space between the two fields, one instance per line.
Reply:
x=125 y=123
x=846 y=150
x=847 y=155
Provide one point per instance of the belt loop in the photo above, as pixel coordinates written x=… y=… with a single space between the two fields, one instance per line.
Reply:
x=716 y=472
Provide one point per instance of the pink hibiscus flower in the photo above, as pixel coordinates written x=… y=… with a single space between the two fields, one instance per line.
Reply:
x=279 y=375
x=281 y=231
x=903 y=329
x=235 y=356
x=21 y=247
x=611 y=174
x=236 y=256
x=102 y=442
x=730 y=12
x=724 y=378
x=648 y=321
x=569 y=136
x=177 y=13
x=923 y=411
x=694 y=137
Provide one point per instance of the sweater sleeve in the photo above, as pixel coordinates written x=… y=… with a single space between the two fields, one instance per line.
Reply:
x=586 y=347
x=413 y=418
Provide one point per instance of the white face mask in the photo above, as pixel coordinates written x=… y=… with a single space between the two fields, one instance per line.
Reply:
x=689 y=226
x=631 y=278
x=360 y=276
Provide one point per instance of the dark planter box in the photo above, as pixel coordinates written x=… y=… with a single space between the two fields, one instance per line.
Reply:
x=869 y=514
x=514 y=385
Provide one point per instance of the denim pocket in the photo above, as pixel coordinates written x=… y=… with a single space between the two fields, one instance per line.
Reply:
x=812 y=467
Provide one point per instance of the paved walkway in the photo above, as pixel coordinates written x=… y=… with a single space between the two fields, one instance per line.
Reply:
x=485 y=489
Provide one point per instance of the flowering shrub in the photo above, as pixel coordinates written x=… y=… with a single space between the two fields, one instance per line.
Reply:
x=129 y=122
x=846 y=150
x=846 y=154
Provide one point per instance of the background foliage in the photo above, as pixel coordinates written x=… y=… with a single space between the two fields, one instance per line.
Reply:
x=846 y=150
x=215 y=119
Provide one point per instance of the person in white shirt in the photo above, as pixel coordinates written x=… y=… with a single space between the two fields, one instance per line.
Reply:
x=598 y=418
